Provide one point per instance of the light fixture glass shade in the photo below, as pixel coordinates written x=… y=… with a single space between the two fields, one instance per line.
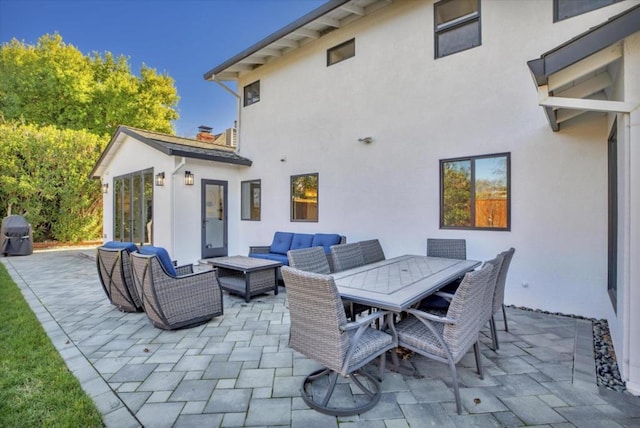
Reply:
x=160 y=179
x=105 y=187
x=188 y=178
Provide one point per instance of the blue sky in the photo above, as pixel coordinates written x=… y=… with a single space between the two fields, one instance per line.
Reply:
x=184 y=38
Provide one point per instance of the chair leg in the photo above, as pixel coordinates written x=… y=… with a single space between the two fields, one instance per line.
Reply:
x=456 y=390
x=476 y=350
x=494 y=333
x=504 y=317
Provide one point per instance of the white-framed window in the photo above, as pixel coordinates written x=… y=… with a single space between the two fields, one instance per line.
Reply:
x=457 y=26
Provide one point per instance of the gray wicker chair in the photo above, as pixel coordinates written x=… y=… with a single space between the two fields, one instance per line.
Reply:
x=447 y=339
x=498 y=295
x=173 y=302
x=447 y=248
x=114 y=271
x=311 y=259
x=319 y=331
x=371 y=251
x=346 y=256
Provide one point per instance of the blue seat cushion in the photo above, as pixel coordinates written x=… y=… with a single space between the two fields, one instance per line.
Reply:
x=325 y=240
x=301 y=240
x=271 y=256
x=281 y=243
x=129 y=246
x=162 y=255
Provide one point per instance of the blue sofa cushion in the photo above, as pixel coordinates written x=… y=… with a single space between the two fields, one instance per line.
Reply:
x=271 y=256
x=162 y=255
x=281 y=243
x=129 y=246
x=325 y=240
x=301 y=240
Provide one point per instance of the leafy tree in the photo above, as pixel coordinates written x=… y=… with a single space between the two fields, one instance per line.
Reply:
x=53 y=83
x=457 y=194
x=44 y=174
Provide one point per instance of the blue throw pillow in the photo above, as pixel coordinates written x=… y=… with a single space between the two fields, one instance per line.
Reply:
x=129 y=246
x=301 y=240
x=325 y=240
x=281 y=243
x=162 y=255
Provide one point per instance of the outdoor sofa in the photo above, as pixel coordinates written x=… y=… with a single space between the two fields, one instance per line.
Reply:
x=285 y=241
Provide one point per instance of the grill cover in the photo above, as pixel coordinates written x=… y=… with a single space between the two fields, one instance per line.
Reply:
x=16 y=237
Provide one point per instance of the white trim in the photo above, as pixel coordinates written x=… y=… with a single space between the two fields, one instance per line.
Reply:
x=588 y=65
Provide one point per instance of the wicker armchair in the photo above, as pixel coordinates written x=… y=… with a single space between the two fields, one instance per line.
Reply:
x=447 y=248
x=319 y=330
x=447 y=339
x=114 y=271
x=371 y=251
x=498 y=295
x=346 y=256
x=173 y=302
x=309 y=260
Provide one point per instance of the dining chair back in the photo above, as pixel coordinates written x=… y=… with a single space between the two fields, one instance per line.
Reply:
x=498 y=295
x=346 y=256
x=447 y=248
x=311 y=259
x=371 y=251
x=114 y=271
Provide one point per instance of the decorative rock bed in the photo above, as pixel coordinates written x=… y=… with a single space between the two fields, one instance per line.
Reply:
x=607 y=373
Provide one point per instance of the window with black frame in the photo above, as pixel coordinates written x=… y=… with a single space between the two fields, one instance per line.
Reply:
x=475 y=192
x=565 y=9
x=252 y=93
x=457 y=26
x=250 y=200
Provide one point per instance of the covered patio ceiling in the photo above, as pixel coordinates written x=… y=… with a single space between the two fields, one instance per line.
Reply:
x=580 y=75
x=326 y=18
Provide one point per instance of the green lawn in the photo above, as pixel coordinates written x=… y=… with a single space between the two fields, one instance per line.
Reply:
x=36 y=388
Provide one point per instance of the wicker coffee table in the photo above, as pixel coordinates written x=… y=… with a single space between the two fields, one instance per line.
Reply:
x=246 y=276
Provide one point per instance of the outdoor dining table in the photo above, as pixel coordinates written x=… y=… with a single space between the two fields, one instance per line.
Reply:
x=398 y=283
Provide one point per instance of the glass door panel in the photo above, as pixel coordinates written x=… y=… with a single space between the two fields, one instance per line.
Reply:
x=214 y=218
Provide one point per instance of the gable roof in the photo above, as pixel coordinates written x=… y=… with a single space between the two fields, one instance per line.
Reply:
x=169 y=145
x=582 y=68
x=320 y=21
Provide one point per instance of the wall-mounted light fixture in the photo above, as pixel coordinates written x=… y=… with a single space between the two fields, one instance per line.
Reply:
x=105 y=187
x=366 y=140
x=188 y=178
x=160 y=179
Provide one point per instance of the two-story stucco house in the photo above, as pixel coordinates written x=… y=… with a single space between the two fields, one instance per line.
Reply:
x=506 y=123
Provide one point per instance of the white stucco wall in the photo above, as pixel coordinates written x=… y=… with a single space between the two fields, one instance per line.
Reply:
x=419 y=110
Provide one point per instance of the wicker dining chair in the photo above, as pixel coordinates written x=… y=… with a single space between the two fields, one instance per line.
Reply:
x=498 y=296
x=114 y=270
x=311 y=259
x=319 y=330
x=173 y=302
x=448 y=338
x=371 y=251
x=447 y=248
x=346 y=256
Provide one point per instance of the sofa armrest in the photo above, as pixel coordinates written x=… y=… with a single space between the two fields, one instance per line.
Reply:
x=261 y=249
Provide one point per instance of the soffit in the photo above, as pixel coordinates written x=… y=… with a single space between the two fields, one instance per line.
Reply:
x=326 y=18
x=579 y=76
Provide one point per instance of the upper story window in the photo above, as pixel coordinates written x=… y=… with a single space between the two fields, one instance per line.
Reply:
x=475 y=192
x=252 y=93
x=457 y=26
x=304 y=197
x=250 y=195
x=341 y=52
x=563 y=9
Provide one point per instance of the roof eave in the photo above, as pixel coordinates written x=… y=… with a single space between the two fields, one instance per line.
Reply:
x=218 y=72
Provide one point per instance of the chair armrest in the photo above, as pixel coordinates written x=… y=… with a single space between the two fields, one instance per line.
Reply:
x=426 y=315
x=364 y=321
x=184 y=269
x=260 y=249
x=447 y=296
